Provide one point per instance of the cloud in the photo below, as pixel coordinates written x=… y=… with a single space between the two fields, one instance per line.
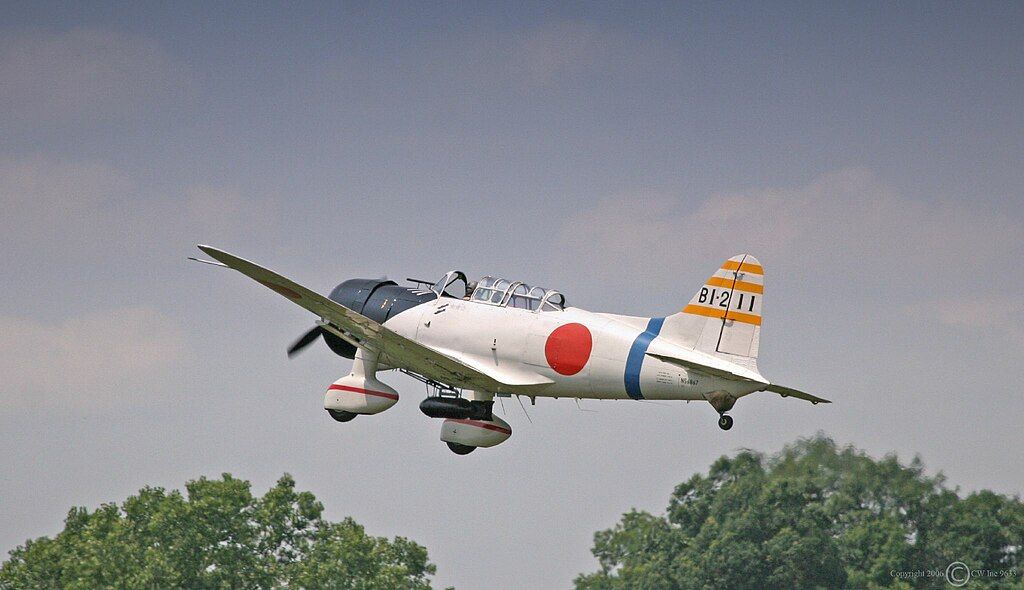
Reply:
x=60 y=207
x=84 y=206
x=50 y=77
x=543 y=54
x=559 y=50
x=995 y=315
x=39 y=187
x=225 y=212
x=97 y=357
x=846 y=231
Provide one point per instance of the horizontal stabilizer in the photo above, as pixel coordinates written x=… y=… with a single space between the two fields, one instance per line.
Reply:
x=735 y=375
x=700 y=367
x=789 y=392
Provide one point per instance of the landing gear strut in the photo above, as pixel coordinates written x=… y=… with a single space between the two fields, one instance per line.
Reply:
x=722 y=402
x=341 y=415
x=460 y=449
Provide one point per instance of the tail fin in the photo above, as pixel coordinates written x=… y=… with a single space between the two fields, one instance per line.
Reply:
x=724 y=317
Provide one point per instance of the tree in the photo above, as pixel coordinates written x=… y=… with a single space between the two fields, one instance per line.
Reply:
x=217 y=535
x=813 y=516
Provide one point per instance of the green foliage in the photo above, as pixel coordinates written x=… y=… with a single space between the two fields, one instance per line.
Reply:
x=218 y=535
x=813 y=516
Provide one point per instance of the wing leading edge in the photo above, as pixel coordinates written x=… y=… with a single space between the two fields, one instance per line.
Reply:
x=362 y=331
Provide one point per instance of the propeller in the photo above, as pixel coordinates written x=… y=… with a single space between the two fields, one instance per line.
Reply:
x=305 y=341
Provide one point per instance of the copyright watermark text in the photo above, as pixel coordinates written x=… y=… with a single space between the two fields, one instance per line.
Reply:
x=956 y=574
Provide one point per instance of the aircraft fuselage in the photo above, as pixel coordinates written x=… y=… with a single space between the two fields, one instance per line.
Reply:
x=585 y=354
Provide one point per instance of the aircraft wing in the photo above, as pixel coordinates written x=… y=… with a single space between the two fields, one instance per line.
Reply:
x=360 y=330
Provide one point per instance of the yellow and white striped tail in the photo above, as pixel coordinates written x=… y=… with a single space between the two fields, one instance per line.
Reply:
x=724 y=317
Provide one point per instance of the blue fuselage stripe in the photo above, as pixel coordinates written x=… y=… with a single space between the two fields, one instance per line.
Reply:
x=635 y=360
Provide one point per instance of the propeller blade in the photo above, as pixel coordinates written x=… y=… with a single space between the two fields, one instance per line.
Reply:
x=304 y=341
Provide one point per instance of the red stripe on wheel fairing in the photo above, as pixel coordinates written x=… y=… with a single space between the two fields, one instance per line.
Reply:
x=363 y=391
x=486 y=425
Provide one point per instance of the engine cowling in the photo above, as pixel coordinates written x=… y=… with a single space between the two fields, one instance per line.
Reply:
x=359 y=395
x=377 y=299
x=475 y=433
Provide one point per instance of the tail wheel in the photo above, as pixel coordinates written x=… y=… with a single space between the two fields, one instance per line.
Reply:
x=341 y=415
x=460 y=449
x=725 y=422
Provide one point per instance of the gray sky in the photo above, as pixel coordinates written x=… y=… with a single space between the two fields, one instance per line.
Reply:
x=870 y=155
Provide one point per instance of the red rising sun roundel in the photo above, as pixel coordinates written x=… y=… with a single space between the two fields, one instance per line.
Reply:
x=568 y=348
x=282 y=290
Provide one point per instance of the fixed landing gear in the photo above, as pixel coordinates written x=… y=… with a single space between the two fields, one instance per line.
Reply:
x=722 y=402
x=460 y=449
x=341 y=415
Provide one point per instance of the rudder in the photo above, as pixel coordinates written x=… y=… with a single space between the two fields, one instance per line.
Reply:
x=724 y=317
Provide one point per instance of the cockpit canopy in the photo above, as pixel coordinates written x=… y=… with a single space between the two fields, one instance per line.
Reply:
x=499 y=292
x=452 y=284
x=506 y=293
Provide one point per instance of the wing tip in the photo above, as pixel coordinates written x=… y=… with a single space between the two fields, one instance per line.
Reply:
x=220 y=255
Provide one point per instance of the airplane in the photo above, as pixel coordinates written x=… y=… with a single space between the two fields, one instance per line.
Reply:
x=470 y=342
